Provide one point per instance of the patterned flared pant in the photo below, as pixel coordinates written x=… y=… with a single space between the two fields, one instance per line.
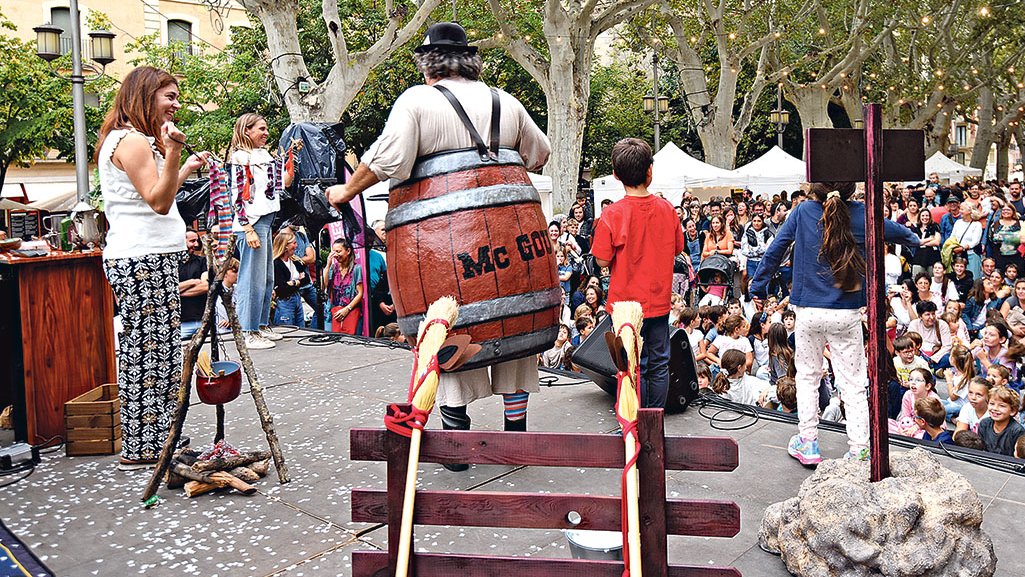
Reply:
x=149 y=352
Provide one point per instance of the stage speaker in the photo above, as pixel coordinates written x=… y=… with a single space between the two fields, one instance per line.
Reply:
x=593 y=358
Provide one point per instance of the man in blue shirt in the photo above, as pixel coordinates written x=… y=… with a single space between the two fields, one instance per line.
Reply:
x=953 y=214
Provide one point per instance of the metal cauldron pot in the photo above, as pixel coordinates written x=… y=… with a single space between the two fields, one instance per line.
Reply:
x=221 y=388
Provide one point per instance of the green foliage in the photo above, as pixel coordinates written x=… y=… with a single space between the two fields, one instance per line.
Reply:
x=32 y=97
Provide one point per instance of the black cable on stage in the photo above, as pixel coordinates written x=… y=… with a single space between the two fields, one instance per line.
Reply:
x=31 y=469
x=993 y=461
x=552 y=379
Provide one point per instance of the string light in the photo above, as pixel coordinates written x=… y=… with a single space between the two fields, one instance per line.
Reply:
x=939 y=73
x=693 y=39
x=1010 y=69
x=926 y=20
x=940 y=88
x=822 y=31
x=733 y=36
x=984 y=11
x=776 y=34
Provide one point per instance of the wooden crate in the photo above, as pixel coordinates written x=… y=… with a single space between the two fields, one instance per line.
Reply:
x=92 y=422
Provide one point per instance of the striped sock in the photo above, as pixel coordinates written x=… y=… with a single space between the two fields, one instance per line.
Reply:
x=515 y=405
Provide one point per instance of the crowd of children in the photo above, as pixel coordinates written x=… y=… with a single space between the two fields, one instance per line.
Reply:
x=956 y=310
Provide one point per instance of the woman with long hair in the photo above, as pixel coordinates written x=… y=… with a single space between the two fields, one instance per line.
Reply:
x=781 y=354
x=344 y=283
x=1005 y=234
x=719 y=239
x=911 y=214
x=289 y=275
x=928 y=251
x=257 y=182
x=594 y=298
x=138 y=152
x=981 y=300
x=827 y=234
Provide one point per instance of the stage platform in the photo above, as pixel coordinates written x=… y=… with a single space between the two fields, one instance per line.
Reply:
x=83 y=517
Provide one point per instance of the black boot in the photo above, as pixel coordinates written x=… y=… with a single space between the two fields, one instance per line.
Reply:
x=455 y=419
x=519 y=426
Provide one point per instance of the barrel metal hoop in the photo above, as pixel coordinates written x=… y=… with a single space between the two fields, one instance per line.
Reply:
x=473 y=198
x=526 y=344
x=493 y=309
x=455 y=161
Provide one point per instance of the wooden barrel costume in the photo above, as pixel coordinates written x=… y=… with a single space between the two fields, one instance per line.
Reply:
x=473 y=229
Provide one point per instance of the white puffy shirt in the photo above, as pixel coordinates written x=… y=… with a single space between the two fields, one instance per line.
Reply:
x=135 y=228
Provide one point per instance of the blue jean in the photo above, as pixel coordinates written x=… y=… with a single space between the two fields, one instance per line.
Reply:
x=655 y=362
x=953 y=407
x=255 y=277
x=189 y=328
x=290 y=311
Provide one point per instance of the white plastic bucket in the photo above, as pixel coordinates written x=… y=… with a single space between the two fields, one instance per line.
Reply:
x=605 y=545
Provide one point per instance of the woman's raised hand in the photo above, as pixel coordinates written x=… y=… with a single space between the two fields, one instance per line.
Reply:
x=173 y=138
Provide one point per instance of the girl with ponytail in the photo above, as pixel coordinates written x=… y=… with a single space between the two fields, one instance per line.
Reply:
x=828 y=239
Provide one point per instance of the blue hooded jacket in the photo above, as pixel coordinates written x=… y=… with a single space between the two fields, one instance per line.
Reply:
x=814 y=284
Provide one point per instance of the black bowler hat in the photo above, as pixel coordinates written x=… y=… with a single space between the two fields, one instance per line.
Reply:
x=447 y=36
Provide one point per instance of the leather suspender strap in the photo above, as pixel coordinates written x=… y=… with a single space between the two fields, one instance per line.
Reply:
x=496 y=122
x=478 y=142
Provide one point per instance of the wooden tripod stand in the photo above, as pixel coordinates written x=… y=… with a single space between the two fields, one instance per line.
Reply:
x=208 y=325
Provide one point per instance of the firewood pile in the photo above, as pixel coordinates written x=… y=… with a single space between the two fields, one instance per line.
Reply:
x=199 y=472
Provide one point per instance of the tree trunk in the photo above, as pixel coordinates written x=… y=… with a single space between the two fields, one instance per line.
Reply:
x=567 y=93
x=984 y=134
x=812 y=103
x=937 y=132
x=719 y=141
x=1003 y=154
x=327 y=100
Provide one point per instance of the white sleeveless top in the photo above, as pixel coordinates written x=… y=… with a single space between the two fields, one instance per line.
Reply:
x=135 y=229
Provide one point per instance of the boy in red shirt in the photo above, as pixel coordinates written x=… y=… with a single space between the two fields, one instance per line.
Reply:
x=638 y=237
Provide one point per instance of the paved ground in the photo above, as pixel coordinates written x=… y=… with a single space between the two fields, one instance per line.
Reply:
x=83 y=517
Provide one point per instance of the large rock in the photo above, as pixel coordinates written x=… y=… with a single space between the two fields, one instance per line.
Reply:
x=923 y=521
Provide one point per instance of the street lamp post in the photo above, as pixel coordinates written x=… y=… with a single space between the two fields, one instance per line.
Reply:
x=47 y=48
x=659 y=105
x=779 y=117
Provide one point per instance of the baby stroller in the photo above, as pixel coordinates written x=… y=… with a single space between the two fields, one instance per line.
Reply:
x=715 y=280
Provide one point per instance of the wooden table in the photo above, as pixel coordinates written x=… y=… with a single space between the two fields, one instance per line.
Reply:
x=56 y=337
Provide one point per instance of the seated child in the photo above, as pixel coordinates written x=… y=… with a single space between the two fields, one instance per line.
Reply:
x=704 y=379
x=976 y=407
x=921 y=386
x=1000 y=431
x=958 y=376
x=930 y=416
x=732 y=383
x=1019 y=448
x=968 y=440
x=786 y=391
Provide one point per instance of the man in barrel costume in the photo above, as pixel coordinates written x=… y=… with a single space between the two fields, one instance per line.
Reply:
x=464 y=221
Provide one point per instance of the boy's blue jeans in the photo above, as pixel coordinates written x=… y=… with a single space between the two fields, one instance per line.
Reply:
x=655 y=362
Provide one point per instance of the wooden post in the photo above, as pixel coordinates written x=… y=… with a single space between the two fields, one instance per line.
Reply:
x=871 y=155
x=875 y=292
x=398 y=464
x=651 y=470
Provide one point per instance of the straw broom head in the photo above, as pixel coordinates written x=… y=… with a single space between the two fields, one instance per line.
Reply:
x=445 y=308
x=628 y=312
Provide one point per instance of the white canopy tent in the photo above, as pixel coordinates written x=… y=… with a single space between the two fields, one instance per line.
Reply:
x=673 y=172
x=772 y=172
x=376 y=197
x=948 y=169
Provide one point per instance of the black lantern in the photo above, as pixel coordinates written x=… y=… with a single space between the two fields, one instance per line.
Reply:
x=48 y=41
